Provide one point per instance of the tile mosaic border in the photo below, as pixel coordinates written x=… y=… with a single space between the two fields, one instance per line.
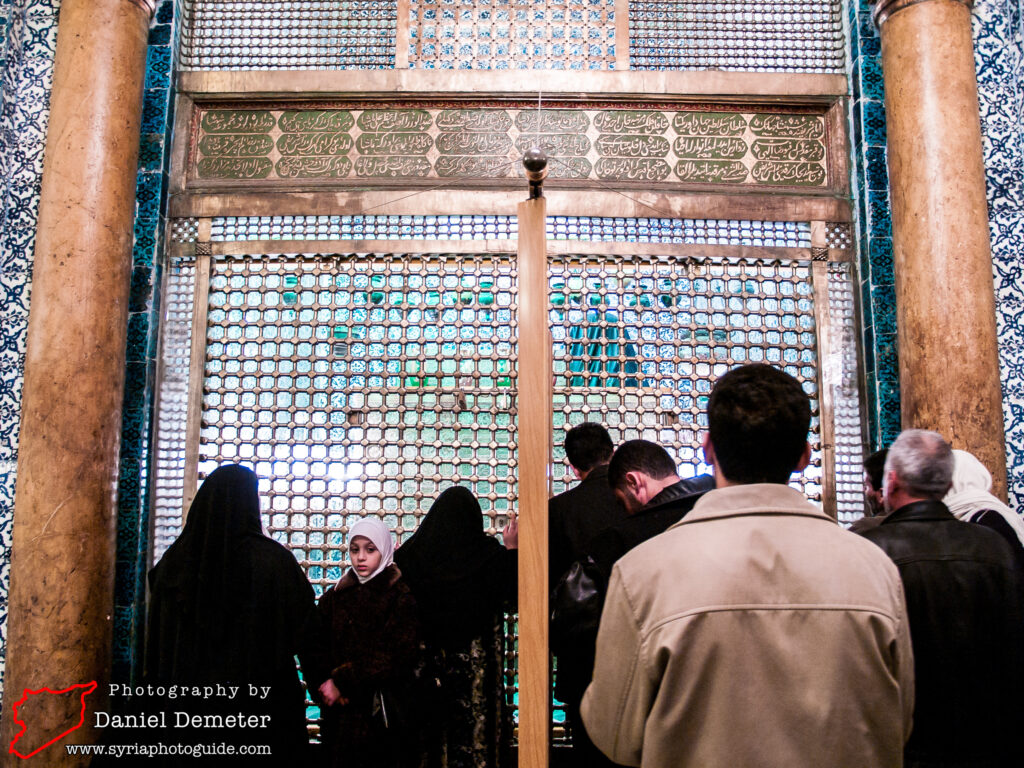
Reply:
x=874 y=227
x=132 y=558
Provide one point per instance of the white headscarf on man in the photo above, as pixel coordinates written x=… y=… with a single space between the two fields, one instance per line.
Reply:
x=971 y=493
x=374 y=529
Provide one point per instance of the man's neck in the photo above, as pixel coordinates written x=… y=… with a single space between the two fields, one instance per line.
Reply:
x=584 y=474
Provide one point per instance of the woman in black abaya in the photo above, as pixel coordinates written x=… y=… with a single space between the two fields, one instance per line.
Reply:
x=231 y=606
x=463 y=581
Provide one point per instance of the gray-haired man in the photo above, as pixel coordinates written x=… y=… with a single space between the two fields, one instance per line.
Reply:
x=966 y=614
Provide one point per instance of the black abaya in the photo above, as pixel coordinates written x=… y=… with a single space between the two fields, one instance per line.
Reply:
x=231 y=606
x=463 y=580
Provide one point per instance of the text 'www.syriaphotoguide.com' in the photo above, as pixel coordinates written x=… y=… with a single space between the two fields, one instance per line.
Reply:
x=161 y=750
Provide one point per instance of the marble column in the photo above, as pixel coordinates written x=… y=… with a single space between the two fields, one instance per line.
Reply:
x=62 y=566
x=945 y=300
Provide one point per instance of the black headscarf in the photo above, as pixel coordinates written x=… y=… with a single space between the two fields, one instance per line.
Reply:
x=460 y=576
x=230 y=605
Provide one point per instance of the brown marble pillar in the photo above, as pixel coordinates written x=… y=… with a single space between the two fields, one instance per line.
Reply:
x=61 y=599
x=945 y=300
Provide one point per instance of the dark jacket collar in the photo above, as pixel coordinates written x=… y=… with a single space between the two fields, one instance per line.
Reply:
x=597 y=472
x=694 y=486
x=381 y=582
x=920 y=511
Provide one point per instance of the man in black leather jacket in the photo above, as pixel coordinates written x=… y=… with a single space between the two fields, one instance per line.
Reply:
x=576 y=515
x=644 y=478
x=965 y=604
x=574 y=518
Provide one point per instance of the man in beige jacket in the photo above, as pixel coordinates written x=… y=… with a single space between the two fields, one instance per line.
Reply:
x=755 y=632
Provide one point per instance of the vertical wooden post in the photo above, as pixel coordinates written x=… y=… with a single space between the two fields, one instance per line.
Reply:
x=534 y=383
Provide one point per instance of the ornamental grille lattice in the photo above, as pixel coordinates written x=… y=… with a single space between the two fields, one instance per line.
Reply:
x=784 y=36
x=358 y=386
x=846 y=415
x=639 y=341
x=779 y=234
x=287 y=34
x=172 y=409
x=505 y=34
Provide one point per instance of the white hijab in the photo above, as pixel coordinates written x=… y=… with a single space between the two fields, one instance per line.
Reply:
x=374 y=529
x=970 y=493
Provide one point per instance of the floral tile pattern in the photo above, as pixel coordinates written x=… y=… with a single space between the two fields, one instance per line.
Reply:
x=999 y=56
x=28 y=39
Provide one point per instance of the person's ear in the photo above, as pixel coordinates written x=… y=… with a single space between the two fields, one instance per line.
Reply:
x=805 y=458
x=890 y=483
x=633 y=481
x=709 y=450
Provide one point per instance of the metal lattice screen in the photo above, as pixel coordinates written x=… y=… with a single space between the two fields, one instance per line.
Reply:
x=364 y=385
x=360 y=385
x=781 y=36
x=785 y=36
x=846 y=403
x=638 y=343
x=511 y=34
x=172 y=414
x=287 y=34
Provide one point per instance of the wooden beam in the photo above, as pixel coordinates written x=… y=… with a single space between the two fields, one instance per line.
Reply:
x=760 y=205
x=651 y=86
x=534 y=439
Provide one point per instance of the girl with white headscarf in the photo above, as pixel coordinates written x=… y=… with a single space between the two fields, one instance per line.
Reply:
x=373 y=636
x=970 y=499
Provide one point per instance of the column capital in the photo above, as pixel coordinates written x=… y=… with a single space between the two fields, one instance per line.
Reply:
x=149 y=6
x=886 y=8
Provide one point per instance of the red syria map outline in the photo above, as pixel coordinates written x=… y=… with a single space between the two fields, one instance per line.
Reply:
x=88 y=688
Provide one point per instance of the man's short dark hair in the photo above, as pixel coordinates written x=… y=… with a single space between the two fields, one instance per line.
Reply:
x=639 y=456
x=758 y=418
x=587 y=445
x=874 y=467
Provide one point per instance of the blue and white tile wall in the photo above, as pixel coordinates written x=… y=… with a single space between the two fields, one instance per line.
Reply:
x=143 y=319
x=28 y=40
x=999 y=56
x=874 y=226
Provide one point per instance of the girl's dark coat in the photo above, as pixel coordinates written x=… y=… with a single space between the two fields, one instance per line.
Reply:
x=373 y=636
